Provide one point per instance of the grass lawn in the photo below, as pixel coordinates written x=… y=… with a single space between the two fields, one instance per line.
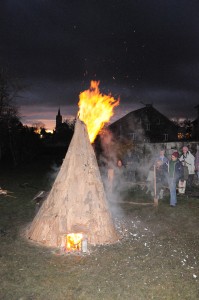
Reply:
x=157 y=257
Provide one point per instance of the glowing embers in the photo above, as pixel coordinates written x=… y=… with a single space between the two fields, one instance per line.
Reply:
x=74 y=242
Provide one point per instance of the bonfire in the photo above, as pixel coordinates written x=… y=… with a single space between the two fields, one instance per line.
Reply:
x=76 y=209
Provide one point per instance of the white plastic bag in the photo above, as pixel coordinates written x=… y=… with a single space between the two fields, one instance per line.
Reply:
x=181 y=186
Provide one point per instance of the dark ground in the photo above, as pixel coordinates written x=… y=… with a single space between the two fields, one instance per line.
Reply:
x=157 y=257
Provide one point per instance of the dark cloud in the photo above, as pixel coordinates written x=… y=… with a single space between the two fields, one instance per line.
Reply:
x=144 y=51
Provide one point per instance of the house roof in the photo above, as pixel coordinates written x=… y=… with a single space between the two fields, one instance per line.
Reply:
x=148 y=111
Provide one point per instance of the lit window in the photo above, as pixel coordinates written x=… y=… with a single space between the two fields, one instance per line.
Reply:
x=188 y=135
x=180 y=135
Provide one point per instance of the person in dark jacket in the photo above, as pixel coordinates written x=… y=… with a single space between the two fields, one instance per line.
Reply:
x=174 y=174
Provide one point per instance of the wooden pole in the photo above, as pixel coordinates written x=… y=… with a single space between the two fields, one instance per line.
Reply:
x=110 y=180
x=155 y=188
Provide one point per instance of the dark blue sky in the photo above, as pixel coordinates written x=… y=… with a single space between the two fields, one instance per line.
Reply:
x=143 y=51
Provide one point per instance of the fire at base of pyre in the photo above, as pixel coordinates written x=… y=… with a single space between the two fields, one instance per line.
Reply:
x=74 y=243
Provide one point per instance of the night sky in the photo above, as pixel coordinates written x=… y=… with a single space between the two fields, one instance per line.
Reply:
x=145 y=51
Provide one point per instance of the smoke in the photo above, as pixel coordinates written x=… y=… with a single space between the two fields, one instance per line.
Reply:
x=113 y=181
x=138 y=162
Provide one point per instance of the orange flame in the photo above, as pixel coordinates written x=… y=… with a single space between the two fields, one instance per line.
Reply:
x=73 y=241
x=95 y=109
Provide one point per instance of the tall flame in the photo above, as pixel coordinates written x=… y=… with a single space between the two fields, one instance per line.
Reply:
x=95 y=109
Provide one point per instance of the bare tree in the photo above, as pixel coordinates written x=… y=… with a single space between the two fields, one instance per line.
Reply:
x=9 y=114
x=9 y=91
x=38 y=126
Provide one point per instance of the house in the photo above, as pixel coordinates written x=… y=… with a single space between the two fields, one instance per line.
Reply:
x=146 y=124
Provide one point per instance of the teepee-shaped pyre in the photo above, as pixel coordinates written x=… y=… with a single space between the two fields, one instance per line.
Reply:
x=77 y=201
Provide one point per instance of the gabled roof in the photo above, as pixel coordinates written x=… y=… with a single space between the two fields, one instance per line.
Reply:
x=194 y=122
x=148 y=111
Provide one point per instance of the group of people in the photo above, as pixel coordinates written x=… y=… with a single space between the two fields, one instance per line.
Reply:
x=178 y=172
x=175 y=173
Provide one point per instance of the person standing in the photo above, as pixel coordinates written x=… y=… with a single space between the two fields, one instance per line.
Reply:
x=115 y=176
x=164 y=163
x=188 y=161
x=174 y=174
x=162 y=157
x=157 y=174
x=119 y=176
